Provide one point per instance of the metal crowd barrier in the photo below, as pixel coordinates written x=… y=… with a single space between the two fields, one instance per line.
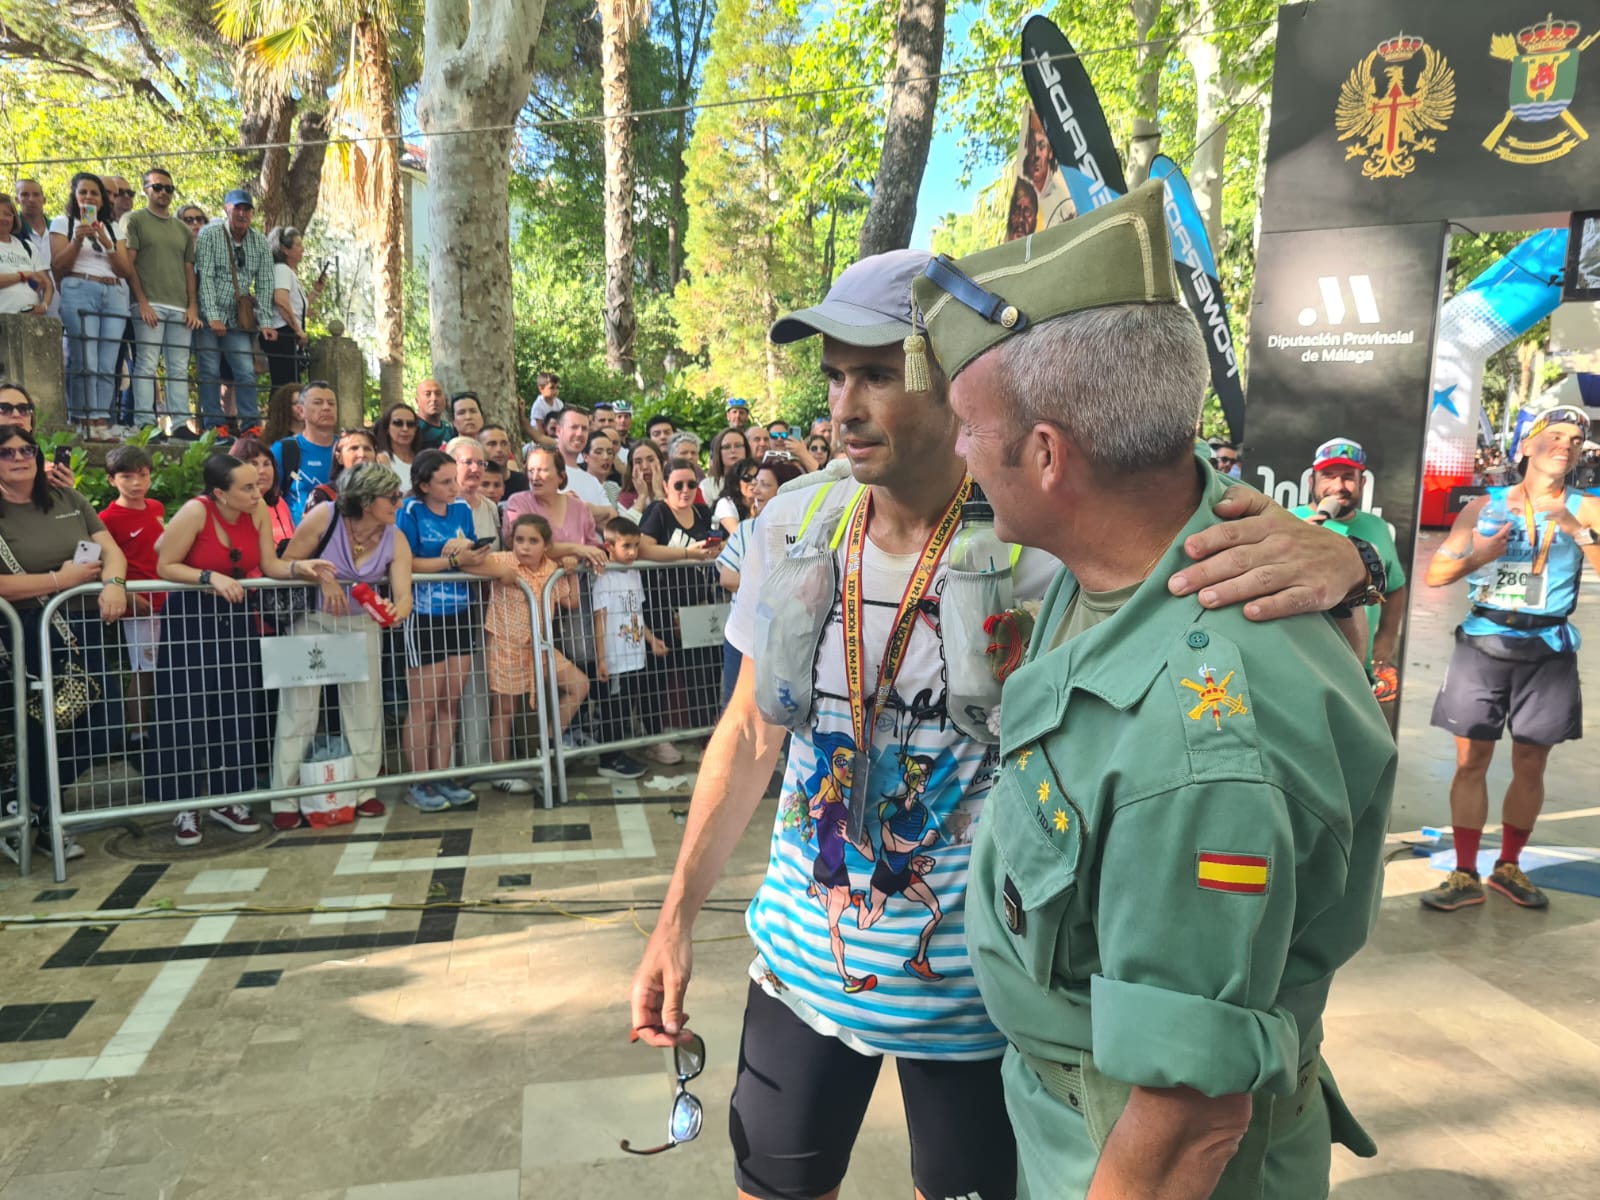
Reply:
x=217 y=711
x=16 y=818
x=661 y=699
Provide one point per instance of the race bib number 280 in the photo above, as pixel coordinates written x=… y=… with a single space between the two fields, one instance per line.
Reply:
x=1514 y=586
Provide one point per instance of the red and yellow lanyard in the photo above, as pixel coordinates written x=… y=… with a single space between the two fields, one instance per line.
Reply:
x=1541 y=554
x=863 y=710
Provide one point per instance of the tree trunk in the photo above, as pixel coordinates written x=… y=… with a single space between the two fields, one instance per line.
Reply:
x=477 y=71
x=1145 y=142
x=913 y=99
x=620 y=320
x=302 y=184
x=1210 y=134
x=388 y=232
x=287 y=185
x=675 y=220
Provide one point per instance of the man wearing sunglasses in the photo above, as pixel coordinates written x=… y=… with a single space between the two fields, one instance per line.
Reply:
x=226 y=252
x=838 y=985
x=1338 y=479
x=161 y=252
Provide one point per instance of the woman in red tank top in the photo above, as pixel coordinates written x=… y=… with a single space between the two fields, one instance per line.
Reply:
x=208 y=681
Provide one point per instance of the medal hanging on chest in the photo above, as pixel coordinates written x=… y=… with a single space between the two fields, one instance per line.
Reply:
x=864 y=708
x=1533 y=595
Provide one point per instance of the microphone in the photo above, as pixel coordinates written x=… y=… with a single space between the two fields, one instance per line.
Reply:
x=1328 y=509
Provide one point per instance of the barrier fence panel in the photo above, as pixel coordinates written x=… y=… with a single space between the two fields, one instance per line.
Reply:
x=121 y=370
x=646 y=642
x=206 y=704
x=16 y=819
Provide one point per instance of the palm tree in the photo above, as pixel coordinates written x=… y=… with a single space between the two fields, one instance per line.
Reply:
x=300 y=44
x=620 y=20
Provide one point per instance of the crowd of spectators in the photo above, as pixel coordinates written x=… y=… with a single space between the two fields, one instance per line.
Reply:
x=142 y=293
x=340 y=507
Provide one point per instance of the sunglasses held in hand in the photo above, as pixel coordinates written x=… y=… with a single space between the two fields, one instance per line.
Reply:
x=683 y=1125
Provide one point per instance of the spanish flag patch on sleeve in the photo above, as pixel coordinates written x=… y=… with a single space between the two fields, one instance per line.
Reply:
x=1245 y=873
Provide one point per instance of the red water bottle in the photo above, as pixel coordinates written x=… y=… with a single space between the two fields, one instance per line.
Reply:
x=363 y=595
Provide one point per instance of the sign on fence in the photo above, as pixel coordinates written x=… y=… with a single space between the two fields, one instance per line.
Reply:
x=313 y=659
x=702 y=624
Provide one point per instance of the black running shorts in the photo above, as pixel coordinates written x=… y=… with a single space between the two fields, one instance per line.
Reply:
x=1482 y=694
x=800 y=1097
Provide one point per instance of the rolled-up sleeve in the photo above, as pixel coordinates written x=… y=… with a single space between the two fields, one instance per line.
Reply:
x=1192 y=954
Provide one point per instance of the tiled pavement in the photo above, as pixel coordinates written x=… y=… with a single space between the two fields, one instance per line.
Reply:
x=236 y=1046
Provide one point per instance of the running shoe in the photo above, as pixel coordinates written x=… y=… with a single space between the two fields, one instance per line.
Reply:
x=186 y=829
x=237 y=818
x=920 y=968
x=620 y=766
x=1461 y=890
x=665 y=753
x=423 y=798
x=454 y=791
x=371 y=807
x=860 y=983
x=286 y=822
x=1510 y=882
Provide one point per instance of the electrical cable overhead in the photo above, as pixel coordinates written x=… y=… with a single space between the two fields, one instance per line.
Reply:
x=633 y=114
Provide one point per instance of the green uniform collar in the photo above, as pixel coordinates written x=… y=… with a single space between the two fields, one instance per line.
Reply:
x=1142 y=629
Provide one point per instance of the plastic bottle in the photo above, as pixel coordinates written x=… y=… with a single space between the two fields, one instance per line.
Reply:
x=1490 y=519
x=364 y=595
x=976 y=548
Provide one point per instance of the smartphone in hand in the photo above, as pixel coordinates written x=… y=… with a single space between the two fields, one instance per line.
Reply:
x=63 y=456
x=482 y=543
x=87 y=552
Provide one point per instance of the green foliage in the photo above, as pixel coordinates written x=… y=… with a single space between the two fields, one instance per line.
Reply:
x=177 y=477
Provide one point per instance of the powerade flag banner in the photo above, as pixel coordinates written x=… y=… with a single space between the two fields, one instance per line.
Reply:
x=1065 y=100
x=1197 y=275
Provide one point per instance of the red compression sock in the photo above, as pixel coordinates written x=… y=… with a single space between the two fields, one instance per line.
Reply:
x=1467 y=843
x=1512 y=840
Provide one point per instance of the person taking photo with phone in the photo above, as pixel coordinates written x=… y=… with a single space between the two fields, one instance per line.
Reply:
x=88 y=261
x=286 y=354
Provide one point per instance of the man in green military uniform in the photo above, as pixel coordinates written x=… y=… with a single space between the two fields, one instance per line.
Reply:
x=1184 y=838
x=1338 y=477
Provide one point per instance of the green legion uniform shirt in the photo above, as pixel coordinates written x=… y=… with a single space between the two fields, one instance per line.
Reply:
x=1190 y=813
x=1373 y=530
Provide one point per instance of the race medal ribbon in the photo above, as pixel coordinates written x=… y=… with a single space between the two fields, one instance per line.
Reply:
x=1533 y=595
x=864 y=710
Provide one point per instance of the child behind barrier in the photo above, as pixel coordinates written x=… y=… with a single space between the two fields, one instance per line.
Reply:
x=620 y=638
x=135 y=524
x=511 y=646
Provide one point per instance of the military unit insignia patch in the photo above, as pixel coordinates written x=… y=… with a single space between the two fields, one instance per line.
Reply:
x=1387 y=124
x=1214 y=697
x=1245 y=873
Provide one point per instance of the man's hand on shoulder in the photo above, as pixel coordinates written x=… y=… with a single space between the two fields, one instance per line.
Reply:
x=1263 y=554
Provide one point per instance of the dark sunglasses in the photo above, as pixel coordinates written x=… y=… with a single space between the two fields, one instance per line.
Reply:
x=17 y=453
x=687 y=1114
x=125 y=193
x=164 y=188
x=685 y=487
x=194 y=220
x=397 y=423
x=238 y=256
x=15 y=410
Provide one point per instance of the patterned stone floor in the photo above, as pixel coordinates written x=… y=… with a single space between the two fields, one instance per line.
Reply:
x=235 y=1046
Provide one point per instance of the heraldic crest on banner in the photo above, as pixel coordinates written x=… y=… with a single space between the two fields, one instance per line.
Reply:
x=1544 y=78
x=1387 y=124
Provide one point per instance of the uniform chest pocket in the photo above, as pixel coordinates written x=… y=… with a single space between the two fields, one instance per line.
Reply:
x=1039 y=833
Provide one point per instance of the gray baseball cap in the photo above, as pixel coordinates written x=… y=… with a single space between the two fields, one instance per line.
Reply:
x=868 y=305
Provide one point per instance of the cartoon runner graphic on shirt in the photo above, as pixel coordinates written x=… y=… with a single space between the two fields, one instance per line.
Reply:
x=828 y=796
x=903 y=824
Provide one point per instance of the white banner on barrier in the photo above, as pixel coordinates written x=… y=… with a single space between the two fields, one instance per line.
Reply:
x=702 y=624
x=313 y=659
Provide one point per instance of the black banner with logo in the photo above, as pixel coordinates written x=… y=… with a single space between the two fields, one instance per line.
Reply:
x=1391 y=111
x=1065 y=99
x=1341 y=345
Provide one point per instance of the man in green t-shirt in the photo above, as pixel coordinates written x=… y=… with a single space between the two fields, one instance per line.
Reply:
x=161 y=249
x=1339 y=476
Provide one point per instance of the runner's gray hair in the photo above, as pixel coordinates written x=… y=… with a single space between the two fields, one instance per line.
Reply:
x=1124 y=382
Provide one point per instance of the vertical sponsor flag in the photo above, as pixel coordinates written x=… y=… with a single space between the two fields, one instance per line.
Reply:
x=1197 y=274
x=1069 y=111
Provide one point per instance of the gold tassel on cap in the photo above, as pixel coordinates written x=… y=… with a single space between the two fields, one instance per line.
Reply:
x=916 y=348
x=916 y=351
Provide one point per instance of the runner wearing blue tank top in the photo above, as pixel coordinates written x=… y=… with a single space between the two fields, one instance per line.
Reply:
x=832 y=993
x=1522 y=550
